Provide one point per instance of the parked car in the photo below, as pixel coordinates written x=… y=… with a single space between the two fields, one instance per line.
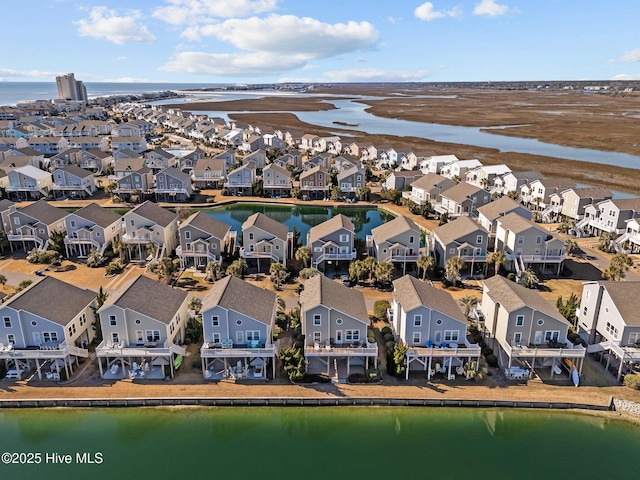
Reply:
x=11 y=374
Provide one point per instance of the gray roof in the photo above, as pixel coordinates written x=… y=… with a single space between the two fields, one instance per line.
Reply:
x=207 y=224
x=177 y=174
x=513 y=297
x=98 y=215
x=277 y=168
x=461 y=192
x=593 y=193
x=319 y=290
x=499 y=207
x=6 y=204
x=153 y=299
x=328 y=227
x=627 y=203
x=74 y=169
x=412 y=293
x=53 y=299
x=390 y=229
x=430 y=180
x=267 y=224
x=557 y=182
x=134 y=164
x=235 y=294
x=529 y=175
x=152 y=211
x=211 y=163
x=516 y=224
x=44 y=212
x=625 y=296
x=460 y=227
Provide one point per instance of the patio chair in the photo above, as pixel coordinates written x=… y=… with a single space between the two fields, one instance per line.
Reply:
x=114 y=369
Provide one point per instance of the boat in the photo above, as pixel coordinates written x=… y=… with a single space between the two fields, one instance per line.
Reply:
x=575 y=377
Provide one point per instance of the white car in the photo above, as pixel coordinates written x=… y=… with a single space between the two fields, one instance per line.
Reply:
x=11 y=375
x=344 y=279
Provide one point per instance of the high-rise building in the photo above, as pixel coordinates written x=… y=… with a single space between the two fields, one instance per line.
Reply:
x=71 y=89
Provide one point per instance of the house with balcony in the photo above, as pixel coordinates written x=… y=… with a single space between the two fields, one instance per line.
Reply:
x=435 y=163
x=276 y=181
x=573 y=201
x=608 y=320
x=132 y=178
x=172 y=185
x=513 y=181
x=203 y=239
x=332 y=242
x=489 y=214
x=28 y=183
x=46 y=328
x=397 y=241
x=188 y=161
x=15 y=143
x=334 y=324
x=209 y=172
x=400 y=180
x=160 y=159
x=143 y=328
x=629 y=241
x=528 y=245
x=32 y=226
x=91 y=227
x=258 y=158
x=90 y=143
x=429 y=321
x=427 y=189
x=292 y=158
x=350 y=180
x=609 y=216
x=314 y=183
x=537 y=194
x=73 y=182
x=48 y=146
x=457 y=171
x=265 y=238
x=462 y=238
x=485 y=176
x=238 y=334
x=146 y=224
x=7 y=207
x=136 y=144
x=526 y=328
x=240 y=181
x=462 y=199
x=93 y=160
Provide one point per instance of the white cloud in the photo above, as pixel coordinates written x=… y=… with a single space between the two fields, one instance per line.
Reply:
x=626 y=76
x=376 y=75
x=9 y=72
x=225 y=64
x=106 y=24
x=291 y=35
x=427 y=13
x=490 y=8
x=631 y=56
x=181 y=12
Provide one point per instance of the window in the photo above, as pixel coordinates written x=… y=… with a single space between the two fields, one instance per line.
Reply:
x=34 y=323
x=416 y=338
x=344 y=237
x=439 y=321
x=250 y=236
x=112 y=320
x=215 y=321
x=584 y=311
x=612 y=330
x=138 y=321
x=517 y=338
x=7 y=322
x=153 y=335
x=216 y=338
x=16 y=220
x=417 y=320
x=115 y=338
x=317 y=337
x=11 y=339
x=238 y=322
x=351 y=335
x=451 y=335
x=339 y=321
x=519 y=320
x=72 y=329
x=411 y=239
x=634 y=338
x=538 y=240
x=316 y=320
x=139 y=337
x=520 y=240
x=73 y=223
x=452 y=251
x=187 y=235
x=50 y=336
x=253 y=335
x=540 y=321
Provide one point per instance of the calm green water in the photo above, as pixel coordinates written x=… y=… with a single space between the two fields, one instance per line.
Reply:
x=301 y=217
x=323 y=443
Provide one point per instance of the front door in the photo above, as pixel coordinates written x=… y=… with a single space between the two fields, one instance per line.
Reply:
x=338 y=336
x=538 y=337
x=37 y=338
x=517 y=338
x=239 y=337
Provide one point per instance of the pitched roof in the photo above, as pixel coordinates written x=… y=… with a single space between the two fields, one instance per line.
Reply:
x=98 y=215
x=626 y=299
x=556 y=182
x=430 y=180
x=211 y=163
x=207 y=224
x=461 y=192
x=152 y=211
x=267 y=224
x=44 y=212
x=460 y=227
x=513 y=297
x=177 y=174
x=412 y=293
x=329 y=226
x=319 y=290
x=277 y=168
x=627 y=203
x=235 y=294
x=32 y=172
x=529 y=175
x=6 y=204
x=74 y=169
x=150 y=298
x=499 y=207
x=515 y=223
x=134 y=164
x=390 y=229
x=39 y=299
x=591 y=192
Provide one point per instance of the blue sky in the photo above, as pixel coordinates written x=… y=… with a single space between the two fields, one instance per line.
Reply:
x=264 y=41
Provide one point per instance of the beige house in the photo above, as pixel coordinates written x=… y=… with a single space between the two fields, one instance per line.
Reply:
x=489 y=214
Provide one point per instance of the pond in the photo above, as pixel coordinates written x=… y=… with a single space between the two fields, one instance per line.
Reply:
x=318 y=442
x=300 y=217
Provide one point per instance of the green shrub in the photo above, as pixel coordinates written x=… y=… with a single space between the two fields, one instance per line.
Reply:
x=511 y=276
x=487 y=351
x=387 y=337
x=211 y=200
x=389 y=346
x=114 y=267
x=380 y=308
x=385 y=330
x=492 y=360
x=632 y=380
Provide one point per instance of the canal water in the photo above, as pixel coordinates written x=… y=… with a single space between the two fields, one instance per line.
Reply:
x=300 y=217
x=316 y=443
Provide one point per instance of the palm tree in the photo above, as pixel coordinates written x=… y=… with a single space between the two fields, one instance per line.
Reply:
x=307 y=273
x=303 y=254
x=101 y=298
x=620 y=264
x=166 y=268
x=497 y=258
x=529 y=278
x=452 y=268
x=425 y=263
x=278 y=274
x=384 y=272
x=151 y=249
x=213 y=270
x=120 y=248
x=468 y=302
x=570 y=245
x=195 y=304
x=369 y=267
x=356 y=270
x=280 y=305
x=94 y=259
x=237 y=268
x=3 y=279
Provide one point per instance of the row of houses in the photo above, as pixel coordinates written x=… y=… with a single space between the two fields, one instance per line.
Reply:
x=143 y=329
